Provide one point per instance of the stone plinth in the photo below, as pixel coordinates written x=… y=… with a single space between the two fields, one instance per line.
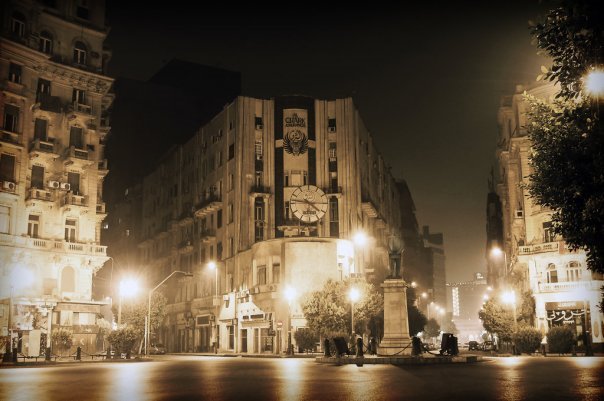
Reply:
x=396 y=341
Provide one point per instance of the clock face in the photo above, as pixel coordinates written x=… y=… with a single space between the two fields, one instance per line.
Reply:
x=308 y=203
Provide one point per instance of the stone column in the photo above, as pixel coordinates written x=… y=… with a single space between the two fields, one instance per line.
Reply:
x=396 y=341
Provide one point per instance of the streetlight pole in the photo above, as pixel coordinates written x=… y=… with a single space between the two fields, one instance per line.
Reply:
x=147 y=329
x=354 y=296
x=290 y=294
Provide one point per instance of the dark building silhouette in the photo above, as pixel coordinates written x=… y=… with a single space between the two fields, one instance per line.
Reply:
x=494 y=233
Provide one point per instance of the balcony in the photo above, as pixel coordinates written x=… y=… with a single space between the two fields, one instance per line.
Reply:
x=208 y=205
x=50 y=103
x=39 y=194
x=14 y=88
x=259 y=191
x=369 y=208
x=82 y=108
x=76 y=157
x=57 y=246
x=569 y=286
x=208 y=235
x=42 y=149
x=100 y=208
x=10 y=138
x=102 y=167
x=538 y=248
x=185 y=246
x=71 y=200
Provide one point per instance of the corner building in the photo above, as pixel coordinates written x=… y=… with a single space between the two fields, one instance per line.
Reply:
x=231 y=194
x=53 y=109
x=537 y=260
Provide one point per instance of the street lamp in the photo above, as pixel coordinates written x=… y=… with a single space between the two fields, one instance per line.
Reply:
x=594 y=82
x=213 y=266
x=290 y=295
x=509 y=297
x=354 y=296
x=148 y=325
x=360 y=240
x=128 y=288
x=497 y=252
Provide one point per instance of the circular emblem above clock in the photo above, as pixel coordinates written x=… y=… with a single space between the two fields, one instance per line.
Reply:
x=308 y=203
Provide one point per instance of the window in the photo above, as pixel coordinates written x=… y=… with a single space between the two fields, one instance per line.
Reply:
x=4 y=219
x=231 y=182
x=258 y=149
x=70 y=230
x=286 y=179
x=287 y=211
x=43 y=86
x=258 y=123
x=78 y=96
x=14 y=73
x=332 y=152
x=261 y=275
x=82 y=10
x=331 y=125
x=230 y=212
x=18 y=24
x=552 y=273
x=76 y=137
x=231 y=151
x=11 y=118
x=45 y=42
x=573 y=271
x=333 y=209
x=219 y=218
x=41 y=129
x=276 y=273
x=33 y=224
x=67 y=280
x=7 y=167
x=231 y=337
x=259 y=209
x=37 y=177
x=231 y=246
x=219 y=251
x=333 y=180
x=79 y=53
x=219 y=159
x=548 y=232
x=74 y=183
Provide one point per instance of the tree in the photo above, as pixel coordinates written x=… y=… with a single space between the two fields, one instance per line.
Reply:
x=560 y=339
x=497 y=318
x=417 y=320
x=527 y=308
x=567 y=135
x=123 y=339
x=62 y=339
x=327 y=311
x=527 y=339
x=432 y=329
x=135 y=313
x=306 y=340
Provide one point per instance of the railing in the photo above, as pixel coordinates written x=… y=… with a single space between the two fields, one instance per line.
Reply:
x=10 y=137
x=74 y=200
x=50 y=103
x=55 y=245
x=538 y=248
x=333 y=189
x=73 y=152
x=209 y=204
x=570 y=286
x=82 y=108
x=100 y=207
x=260 y=189
x=41 y=194
x=102 y=165
x=39 y=145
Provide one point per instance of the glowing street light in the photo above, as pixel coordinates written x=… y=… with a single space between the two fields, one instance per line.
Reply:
x=290 y=295
x=594 y=82
x=360 y=238
x=354 y=296
x=509 y=297
x=128 y=289
x=213 y=266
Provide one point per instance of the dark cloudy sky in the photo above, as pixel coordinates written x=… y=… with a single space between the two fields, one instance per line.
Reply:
x=427 y=80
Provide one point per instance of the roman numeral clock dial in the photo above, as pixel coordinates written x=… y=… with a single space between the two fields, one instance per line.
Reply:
x=308 y=203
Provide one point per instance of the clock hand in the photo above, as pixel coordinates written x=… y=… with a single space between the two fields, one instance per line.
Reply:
x=313 y=205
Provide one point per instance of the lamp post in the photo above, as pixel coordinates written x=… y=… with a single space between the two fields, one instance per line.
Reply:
x=290 y=294
x=354 y=296
x=128 y=288
x=148 y=325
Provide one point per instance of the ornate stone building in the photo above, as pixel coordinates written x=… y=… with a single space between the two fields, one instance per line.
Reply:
x=564 y=290
x=272 y=191
x=53 y=105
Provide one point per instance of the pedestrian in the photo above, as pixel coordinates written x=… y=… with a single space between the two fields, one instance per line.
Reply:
x=372 y=346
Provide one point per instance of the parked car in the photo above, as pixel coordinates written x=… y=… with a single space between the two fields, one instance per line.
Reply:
x=157 y=349
x=473 y=346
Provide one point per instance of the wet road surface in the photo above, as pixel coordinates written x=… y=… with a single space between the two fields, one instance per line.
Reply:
x=219 y=378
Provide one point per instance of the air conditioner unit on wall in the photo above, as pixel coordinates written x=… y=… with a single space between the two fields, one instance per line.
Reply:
x=8 y=185
x=54 y=184
x=66 y=186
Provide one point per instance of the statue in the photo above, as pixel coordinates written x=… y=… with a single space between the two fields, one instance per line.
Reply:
x=395 y=253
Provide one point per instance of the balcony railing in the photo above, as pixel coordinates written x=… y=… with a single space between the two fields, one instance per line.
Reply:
x=333 y=189
x=50 y=103
x=73 y=200
x=538 y=248
x=39 y=147
x=208 y=205
x=100 y=208
x=54 y=245
x=570 y=286
x=82 y=108
x=260 y=189
x=39 y=194
x=14 y=138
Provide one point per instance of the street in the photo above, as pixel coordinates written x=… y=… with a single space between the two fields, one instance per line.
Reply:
x=234 y=378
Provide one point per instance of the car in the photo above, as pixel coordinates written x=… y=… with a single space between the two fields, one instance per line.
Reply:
x=473 y=346
x=157 y=349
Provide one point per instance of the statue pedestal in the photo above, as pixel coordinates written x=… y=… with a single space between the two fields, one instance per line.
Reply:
x=396 y=341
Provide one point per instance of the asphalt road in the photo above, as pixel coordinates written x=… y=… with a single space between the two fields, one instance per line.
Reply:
x=248 y=379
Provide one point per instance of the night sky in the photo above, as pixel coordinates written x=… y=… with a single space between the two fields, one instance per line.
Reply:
x=427 y=80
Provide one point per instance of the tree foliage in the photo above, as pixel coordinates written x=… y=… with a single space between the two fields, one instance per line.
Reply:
x=527 y=339
x=567 y=135
x=560 y=339
x=327 y=311
x=123 y=339
x=62 y=339
x=135 y=313
x=497 y=318
x=306 y=339
x=417 y=320
x=432 y=328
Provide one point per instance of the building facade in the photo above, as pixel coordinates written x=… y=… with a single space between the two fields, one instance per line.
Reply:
x=565 y=291
x=53 y=108
x=272 y=191
x=465 y=299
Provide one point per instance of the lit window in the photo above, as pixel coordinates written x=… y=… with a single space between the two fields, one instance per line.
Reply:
x=80 y=53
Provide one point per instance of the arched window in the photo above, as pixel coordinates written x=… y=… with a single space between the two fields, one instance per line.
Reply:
x=18 y=24
x=45 y=43
x=552 y=273
x=79 y=53
x=573 y=271
x=68 y=280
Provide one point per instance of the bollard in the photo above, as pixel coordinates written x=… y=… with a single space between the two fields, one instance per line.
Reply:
x=79 y=354
x=416 y=346
x=47 y=355
x=359 y=347
x=108 y=354
x=326 y=349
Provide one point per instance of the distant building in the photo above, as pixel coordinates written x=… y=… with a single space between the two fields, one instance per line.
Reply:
x=534 y=259
x=465 y=300
x=433 y=256
x=273 y=192
x=53 y=110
